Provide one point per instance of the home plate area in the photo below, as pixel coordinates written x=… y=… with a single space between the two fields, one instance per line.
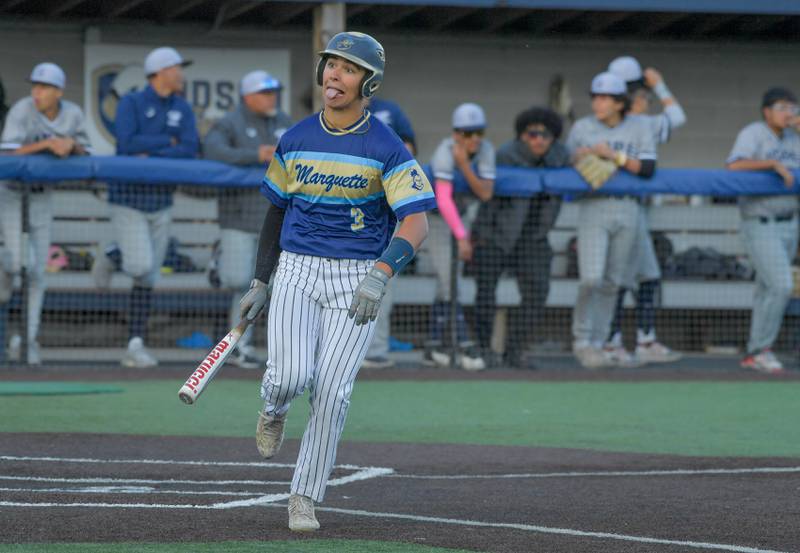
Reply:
x=115 y=488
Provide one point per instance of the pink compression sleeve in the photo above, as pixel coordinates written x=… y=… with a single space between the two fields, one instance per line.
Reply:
x=447 y=207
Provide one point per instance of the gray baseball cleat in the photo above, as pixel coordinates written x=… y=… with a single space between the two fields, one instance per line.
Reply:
x=269 y=435
x=301 y=514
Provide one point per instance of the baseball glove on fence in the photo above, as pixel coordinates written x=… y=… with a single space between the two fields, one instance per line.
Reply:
x=595 y=170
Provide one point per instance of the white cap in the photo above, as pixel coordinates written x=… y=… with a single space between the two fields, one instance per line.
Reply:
x=258 y=81
x=161 y=58
x=626 y=68
x=469 y=117
x=48 y=73
x=608 y=83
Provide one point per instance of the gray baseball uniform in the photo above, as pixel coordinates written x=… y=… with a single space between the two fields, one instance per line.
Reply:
x=439 y=243
x=26 y=125
x=607 y=229
x=769 y=229
x=644 y=263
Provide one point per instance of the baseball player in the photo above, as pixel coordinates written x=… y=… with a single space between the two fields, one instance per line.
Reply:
x=42 y=122
x=643 y=272
x=511 y=233
x=392 y=115
x=607 y=225
x=769 y=223
x=473 y=156
x=338 y=182
x=246 y=136
x=157 y=122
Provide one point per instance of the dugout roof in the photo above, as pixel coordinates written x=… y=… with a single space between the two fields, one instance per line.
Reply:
x=768 y=20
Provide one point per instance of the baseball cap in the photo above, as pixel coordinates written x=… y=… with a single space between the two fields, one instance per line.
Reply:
x=626 y=68
x=48 y=73
x=257 y=81
x=469 y=117
x=776 y=94
x=161 y=58
x=608 y=83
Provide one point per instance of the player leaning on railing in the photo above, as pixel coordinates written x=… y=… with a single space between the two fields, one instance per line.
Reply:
x=153 y=122
x=338 y=182
x=769 y=223
x=39 y=123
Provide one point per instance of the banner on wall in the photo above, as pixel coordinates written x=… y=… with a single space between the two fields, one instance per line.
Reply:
x=212 y=82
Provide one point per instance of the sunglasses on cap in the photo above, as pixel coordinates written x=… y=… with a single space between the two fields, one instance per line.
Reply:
x=535 y=133
x=470 y=134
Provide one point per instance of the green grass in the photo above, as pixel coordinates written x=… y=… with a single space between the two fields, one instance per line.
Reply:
x=689 y=418
x=295 y=546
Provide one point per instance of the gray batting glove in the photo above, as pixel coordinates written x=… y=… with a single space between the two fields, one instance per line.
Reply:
x=367 y=297
x=254 y=300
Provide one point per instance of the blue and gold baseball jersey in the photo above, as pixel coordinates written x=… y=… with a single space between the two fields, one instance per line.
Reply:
x=343 y=193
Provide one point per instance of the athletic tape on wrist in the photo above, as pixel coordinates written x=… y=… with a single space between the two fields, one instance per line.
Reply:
x=397 y=254
x=662 y=91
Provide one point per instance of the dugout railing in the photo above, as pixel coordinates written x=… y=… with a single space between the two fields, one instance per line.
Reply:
x=714 y=311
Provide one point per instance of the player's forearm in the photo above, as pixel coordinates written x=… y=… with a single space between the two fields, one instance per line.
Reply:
x=482 y=188
x=752 y=165
x=410 y=234
x=269 y=249
x=33 y=148
x=414 y=229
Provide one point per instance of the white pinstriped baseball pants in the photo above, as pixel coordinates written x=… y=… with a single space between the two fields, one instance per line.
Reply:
x=313 y=344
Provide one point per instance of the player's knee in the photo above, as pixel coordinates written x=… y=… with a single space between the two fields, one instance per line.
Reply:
x=137 y=266
x=592 y=283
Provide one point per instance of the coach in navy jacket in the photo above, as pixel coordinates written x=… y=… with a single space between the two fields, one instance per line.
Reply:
x=154 y=122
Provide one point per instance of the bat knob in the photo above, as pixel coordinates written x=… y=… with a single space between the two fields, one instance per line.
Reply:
x=186 y=395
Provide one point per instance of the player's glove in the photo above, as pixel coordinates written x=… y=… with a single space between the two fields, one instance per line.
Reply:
x=367 y=297
x=595 y=170
x=254 y=300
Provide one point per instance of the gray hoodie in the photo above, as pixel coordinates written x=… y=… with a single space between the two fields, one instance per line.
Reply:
x=502 y=221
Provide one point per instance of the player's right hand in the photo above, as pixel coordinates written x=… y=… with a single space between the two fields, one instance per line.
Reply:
x=785 y=174
x=254 y=300
x=367 y=297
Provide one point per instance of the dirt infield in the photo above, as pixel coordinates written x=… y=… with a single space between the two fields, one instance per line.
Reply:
x=97 y=488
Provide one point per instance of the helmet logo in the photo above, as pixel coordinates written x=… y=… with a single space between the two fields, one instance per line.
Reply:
x=381 y=54
x=344 y=44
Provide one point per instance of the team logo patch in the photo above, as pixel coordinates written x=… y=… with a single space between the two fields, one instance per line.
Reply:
x=416 y=180
x=344 y=44
x=108 y=84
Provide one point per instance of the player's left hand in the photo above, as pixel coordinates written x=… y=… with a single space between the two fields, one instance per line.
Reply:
x=367 y=297
x=652 y=77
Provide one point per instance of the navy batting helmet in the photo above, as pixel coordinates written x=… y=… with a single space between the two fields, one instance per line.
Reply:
x=360 y=49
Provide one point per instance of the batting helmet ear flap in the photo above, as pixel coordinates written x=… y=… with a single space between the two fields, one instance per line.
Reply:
x=321 y=68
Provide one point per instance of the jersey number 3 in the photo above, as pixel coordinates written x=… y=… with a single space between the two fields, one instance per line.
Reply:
x=358 y=219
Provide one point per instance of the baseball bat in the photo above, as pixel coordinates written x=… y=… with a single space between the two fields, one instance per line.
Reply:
x=210 y=366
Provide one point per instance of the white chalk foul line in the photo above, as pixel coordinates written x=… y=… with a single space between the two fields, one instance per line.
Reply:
x=364 y=474
x=99 y=480
x=551 y=530
x=676 y=472
x=128 y=490
x=418 y=518
x=158 y=462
